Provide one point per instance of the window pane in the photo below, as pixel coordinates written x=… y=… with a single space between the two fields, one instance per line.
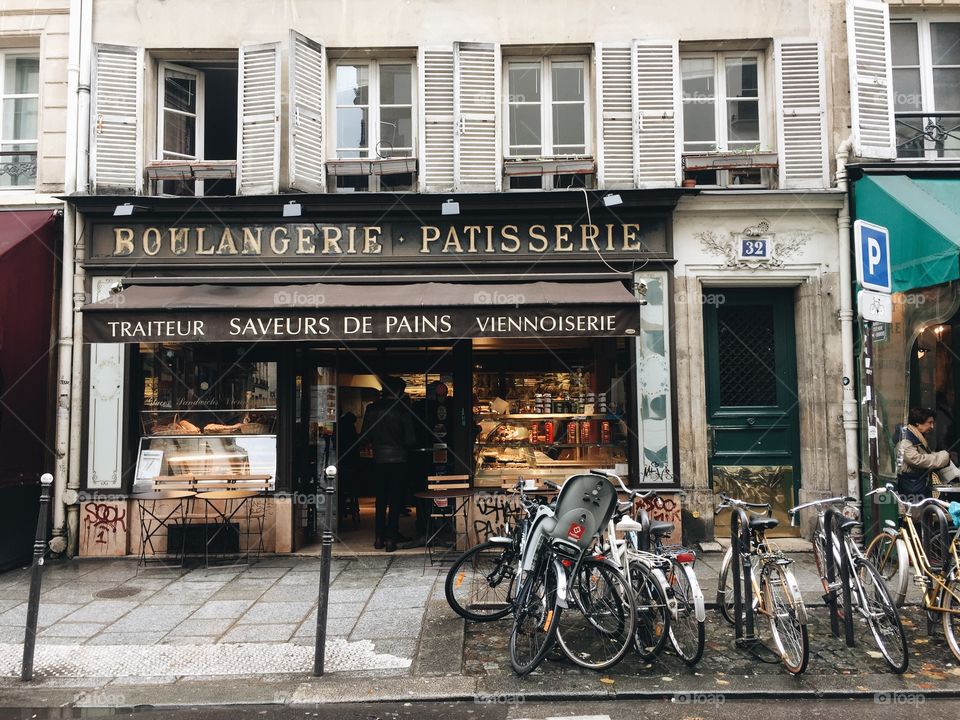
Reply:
x=20 y=169
x=525 y=125
x=906 y=90
x=743 y=120
x=698 y=122
x=698 y=81
x=20 y=119
x=352 y=127
x=21 y=76
x=946 y=89
x=395 y=85
x=400 y=181
x=568 y=125
x=568 y=81
x=524 y=80
x=352 y=183
x=526 y=182
x=180 y=134
x=742 y=77
x=353 y=84
x=945 y=43
x=396 y=129
x=180 y=92
x=903 y=39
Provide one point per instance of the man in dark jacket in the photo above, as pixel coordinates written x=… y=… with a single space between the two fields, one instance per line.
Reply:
x=388 y=427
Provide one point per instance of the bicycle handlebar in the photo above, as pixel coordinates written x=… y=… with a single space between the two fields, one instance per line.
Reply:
x=889 y=488
x=828 y=501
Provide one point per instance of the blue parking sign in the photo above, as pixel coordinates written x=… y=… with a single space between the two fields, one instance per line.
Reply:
x=872 y=246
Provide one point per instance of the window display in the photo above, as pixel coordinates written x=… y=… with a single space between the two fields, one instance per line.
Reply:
x=550 y=414
x=208 y=413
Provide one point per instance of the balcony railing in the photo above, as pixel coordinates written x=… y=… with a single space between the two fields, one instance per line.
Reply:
x=930 y=136
x=18 y=168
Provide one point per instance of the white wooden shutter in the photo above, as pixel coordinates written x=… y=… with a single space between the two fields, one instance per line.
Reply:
x=258 y=120
x=435 y=67
x=871 y=79
x=615 y=74
x=117 y=142
x=801 y=114
x=477 y=101
x=658 y=104
x=306 y=103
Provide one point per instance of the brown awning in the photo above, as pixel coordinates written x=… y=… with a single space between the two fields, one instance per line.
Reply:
x=326 y=311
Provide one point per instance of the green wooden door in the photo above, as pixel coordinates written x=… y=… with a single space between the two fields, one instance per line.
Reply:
x=752 y=402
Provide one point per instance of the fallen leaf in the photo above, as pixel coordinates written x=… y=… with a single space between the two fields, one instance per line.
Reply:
x=607 y=681
x=723 y=682
x=874 y=654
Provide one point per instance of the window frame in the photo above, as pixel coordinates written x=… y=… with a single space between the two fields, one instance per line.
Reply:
x=721 y=100
x=4 y=96
x=923 y=21
x=162 y=67
x=374 y=108
x=547 y=149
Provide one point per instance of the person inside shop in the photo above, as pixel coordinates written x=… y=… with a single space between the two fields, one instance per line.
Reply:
x=348 y=452
x=388 y=427
x=920 y=468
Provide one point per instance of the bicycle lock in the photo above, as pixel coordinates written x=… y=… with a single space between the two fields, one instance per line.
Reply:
x=832 y=537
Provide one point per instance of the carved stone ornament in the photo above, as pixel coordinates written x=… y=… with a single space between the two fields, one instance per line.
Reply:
x=783 y=246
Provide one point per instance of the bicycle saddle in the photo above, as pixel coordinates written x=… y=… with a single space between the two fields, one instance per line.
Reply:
x=763 y=523
x=660 y=529
x=848 y=523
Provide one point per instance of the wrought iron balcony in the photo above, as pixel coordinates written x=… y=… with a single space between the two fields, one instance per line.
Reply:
x=932 y=136
x=18 y=168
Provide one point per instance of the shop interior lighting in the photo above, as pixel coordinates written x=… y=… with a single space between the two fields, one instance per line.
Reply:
x=611 y=199
x=292 y=209
x=450 y=207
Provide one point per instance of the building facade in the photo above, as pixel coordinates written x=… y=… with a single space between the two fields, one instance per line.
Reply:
x=612 y=236
x=34 y=39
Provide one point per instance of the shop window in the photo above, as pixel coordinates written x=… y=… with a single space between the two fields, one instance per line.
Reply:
x=207 y=412
x=373 y=127
x=724 y=122
x=925 y=55
x=550 y=409
x=19 y=105
x=548 y=124
x=196 y=150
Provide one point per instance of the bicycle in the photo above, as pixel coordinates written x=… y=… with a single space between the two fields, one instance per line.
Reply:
x=868 y=594
x=900 y=545
x=670 y=603
x=776 y=594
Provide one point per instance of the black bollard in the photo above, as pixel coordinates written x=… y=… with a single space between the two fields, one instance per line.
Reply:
x=36 y=575
x=325 y=552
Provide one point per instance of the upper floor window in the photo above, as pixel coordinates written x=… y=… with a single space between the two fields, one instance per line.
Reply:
x=925 y=56
x=196 y=129
x=19 y=105
x=547 y=117
x=374 y=121
x=723 y=112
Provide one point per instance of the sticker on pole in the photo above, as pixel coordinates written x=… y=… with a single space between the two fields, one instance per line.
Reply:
x=874 y=306
x=872 y=245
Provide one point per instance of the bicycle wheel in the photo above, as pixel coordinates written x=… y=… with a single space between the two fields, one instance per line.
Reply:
x=951 y=619
x=479 y=585
x=653 y=613
x=536 y=613
x=882 y=616
x=597 y=630
x=687 y=633
x=787 y=617
x=888 y=554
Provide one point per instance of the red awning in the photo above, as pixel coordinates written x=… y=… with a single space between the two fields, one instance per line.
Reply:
x=17 y=226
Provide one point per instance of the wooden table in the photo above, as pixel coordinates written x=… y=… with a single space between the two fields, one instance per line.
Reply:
x=151 y=521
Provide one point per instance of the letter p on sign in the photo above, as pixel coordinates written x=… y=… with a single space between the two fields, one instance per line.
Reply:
x=872 y=245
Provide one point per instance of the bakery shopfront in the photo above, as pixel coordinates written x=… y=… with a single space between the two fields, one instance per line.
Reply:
x=228 y=341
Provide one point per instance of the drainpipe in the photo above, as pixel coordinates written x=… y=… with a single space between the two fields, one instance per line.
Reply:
x=79 y=278
x=65 y=343
x=847 y=320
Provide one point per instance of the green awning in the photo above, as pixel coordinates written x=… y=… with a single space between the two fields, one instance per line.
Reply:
x=923 y=217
